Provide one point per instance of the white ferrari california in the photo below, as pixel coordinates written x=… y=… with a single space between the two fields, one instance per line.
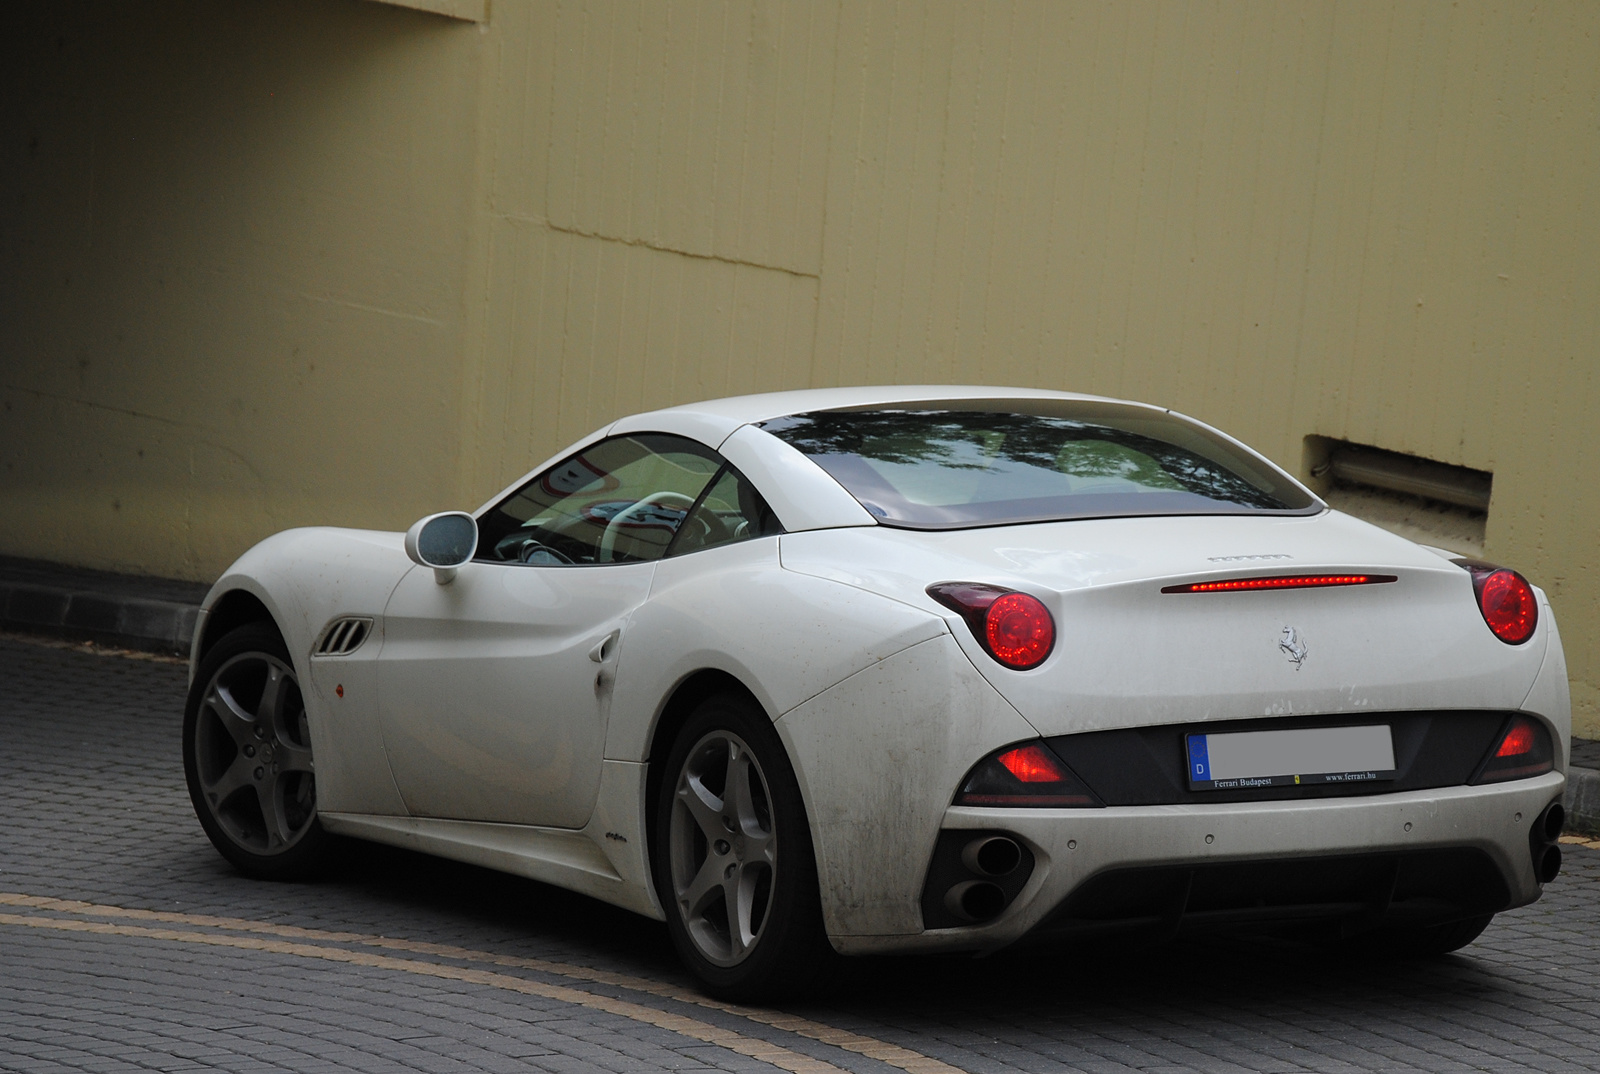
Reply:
x=900 y=669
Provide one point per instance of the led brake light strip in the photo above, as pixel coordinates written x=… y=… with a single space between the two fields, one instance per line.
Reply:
x=1281 y=581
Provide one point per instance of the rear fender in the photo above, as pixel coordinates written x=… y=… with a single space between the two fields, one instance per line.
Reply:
x=1550 y=696
x=879 y=757
x=785 y=637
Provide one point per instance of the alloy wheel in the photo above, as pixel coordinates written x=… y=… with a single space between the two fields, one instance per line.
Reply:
x=252 y=754
x=722 y=848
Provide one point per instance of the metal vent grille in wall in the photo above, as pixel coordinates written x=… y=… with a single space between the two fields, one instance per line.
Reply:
x=344 y=636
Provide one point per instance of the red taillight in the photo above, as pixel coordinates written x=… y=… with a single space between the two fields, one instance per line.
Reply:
x=1281 y=581
x=1508 y=604
x=1020 y=630
x=1015 y=628
x=1033 y=764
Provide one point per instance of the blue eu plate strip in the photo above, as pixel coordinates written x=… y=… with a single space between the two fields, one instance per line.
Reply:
x=1199 y=762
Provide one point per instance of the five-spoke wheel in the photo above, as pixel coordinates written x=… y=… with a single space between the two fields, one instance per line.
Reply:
x=733 y=861
x=247 y=755
x=723 y=851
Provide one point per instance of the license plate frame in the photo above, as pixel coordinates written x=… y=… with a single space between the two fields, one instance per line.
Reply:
x=1284 y=757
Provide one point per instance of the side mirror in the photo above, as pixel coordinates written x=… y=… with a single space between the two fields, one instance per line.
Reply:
x=443 y=542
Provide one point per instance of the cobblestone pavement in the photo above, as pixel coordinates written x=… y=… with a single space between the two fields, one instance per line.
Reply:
x=127 y=943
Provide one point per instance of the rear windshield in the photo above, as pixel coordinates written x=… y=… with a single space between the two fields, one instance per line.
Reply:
x=976 y=464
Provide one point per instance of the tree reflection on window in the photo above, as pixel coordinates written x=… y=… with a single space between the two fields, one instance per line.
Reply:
x=952 y=467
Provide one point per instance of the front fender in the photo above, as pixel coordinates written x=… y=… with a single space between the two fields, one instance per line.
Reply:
x=305 y=578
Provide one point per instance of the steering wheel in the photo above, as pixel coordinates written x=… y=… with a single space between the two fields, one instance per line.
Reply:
x=531 y=548
x=608 y=539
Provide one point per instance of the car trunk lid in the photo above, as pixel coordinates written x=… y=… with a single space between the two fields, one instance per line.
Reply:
x=1127 y=653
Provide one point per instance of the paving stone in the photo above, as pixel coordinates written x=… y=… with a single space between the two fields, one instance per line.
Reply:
x=94 y=808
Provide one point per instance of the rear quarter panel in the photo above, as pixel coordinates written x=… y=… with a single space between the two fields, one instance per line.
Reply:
x=786 y=637
x=879 y=757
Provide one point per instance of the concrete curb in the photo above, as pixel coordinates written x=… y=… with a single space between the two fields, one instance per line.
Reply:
x=1582 y=801
x=149 y=614
x=150 y=625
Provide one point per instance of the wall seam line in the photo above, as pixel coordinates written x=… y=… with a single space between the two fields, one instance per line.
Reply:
x=521 y=218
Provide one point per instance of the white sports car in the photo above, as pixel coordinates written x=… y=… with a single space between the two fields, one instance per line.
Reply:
x=900 y=669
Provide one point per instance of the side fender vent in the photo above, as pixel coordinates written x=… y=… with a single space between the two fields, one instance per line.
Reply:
x=343 y=636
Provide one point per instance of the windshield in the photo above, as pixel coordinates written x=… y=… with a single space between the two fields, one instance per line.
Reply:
x=976 y=464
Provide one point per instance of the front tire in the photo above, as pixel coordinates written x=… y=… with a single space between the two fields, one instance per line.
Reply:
x=247 y=757
x=734 y=866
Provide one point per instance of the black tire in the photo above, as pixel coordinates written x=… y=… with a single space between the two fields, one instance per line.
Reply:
x=756 y=845
x=247 y=757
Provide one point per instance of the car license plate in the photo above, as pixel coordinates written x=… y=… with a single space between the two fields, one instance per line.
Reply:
x=1244 y=759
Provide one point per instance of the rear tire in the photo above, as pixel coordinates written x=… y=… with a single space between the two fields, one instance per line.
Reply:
x=734 y=867
x=247 y=757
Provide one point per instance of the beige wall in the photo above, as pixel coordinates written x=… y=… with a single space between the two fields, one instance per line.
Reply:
x=234 y=246
x=336 y=261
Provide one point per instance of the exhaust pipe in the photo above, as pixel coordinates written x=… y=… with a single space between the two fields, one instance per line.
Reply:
x=1548 y=864
x=993 y=855
x=975 y=900
x=1551 y=821
x=1542 y=841
x=974 y=876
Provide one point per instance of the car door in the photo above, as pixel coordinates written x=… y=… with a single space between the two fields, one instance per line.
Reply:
x=494 y=688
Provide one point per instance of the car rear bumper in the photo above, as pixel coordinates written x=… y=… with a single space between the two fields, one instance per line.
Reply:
x=1087 y=861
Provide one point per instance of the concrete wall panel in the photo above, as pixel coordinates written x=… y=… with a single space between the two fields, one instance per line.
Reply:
x=698 y=126
x=584 y=330
x=344 y=262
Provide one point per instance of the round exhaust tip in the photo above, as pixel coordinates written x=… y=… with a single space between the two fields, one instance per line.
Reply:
x=975 y=901
x=1548 y=864
x=1551 y=823
x=993 y=855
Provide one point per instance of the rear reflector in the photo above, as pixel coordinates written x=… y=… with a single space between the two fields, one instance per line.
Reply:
x=1518 y=741
x=1033 y=764
x=1026 y=776
x=1524 y=750
x=1281 y=581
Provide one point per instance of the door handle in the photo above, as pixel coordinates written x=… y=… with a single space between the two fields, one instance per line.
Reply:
x=603 y=650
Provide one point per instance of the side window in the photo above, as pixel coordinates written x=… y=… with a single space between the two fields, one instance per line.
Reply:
x=622 y=500
x=731 y=510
